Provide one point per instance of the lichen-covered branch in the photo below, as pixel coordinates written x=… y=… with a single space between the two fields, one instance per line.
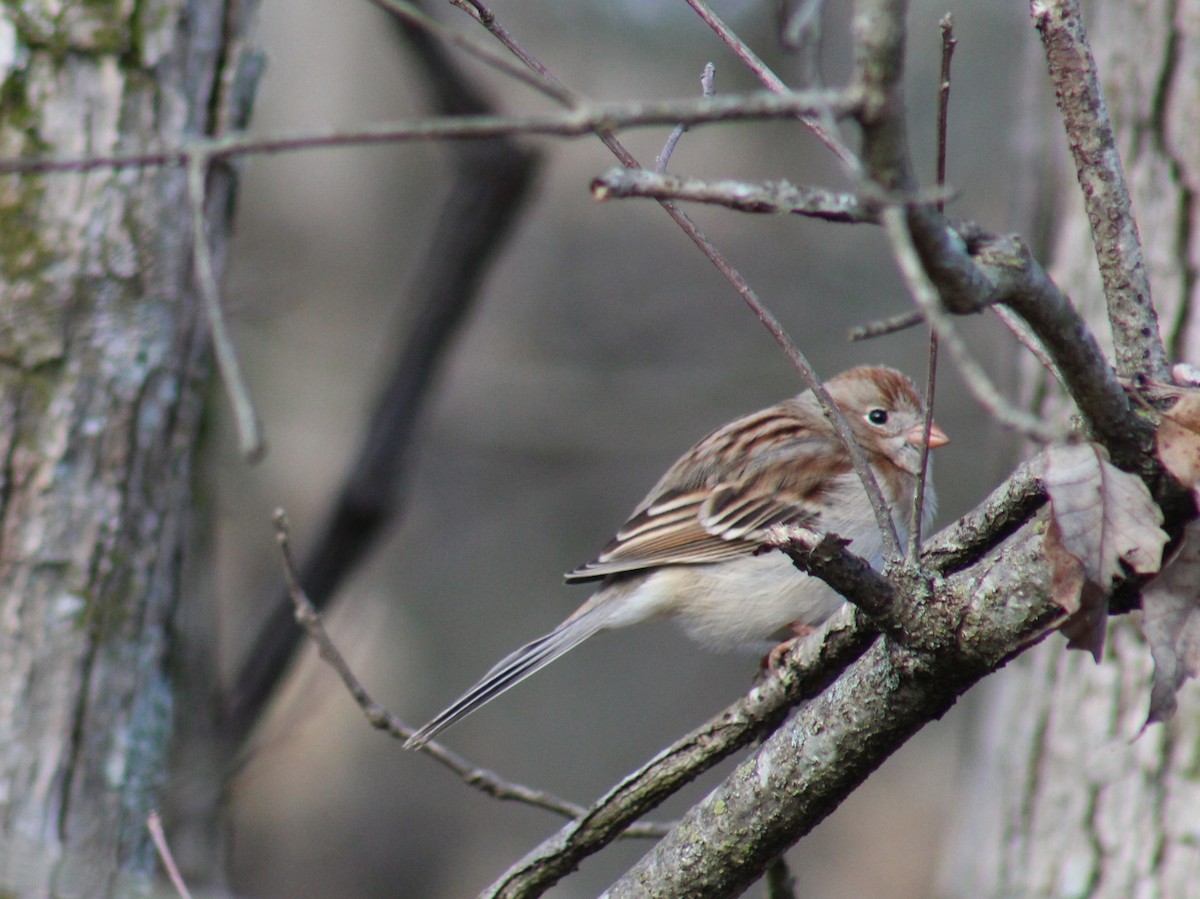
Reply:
x=1131 y=313
x=744 y=196
x=807 y=767
x=813 y=665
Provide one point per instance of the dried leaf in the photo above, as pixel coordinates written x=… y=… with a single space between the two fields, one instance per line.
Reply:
x=1105 y=516
x=1066 y=571
x=1087 y=604
x=1171 y=624
x=1100 y=517
x=1178 y=440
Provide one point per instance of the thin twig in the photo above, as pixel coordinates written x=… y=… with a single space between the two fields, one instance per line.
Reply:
x=755 y=106
x=382 y=719
x=417 y=18
x=771 y=197
x=946 y=26
x=1080 y=98
x=925 y=294
x=1027 y=339
x=885 y=326
x=159 y=837
x=813 y=120
x=249 y=431
x=706 y=90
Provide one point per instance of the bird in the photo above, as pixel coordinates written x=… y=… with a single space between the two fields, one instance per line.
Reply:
x=693 y=549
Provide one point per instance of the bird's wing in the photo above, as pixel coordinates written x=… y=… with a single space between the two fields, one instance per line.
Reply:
x=701 y=526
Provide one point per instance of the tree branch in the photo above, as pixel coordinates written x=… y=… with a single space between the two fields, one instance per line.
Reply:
x=807 y=767
x=744 y=196
x=1080 y=98
x=755 y=106
x=810 y=668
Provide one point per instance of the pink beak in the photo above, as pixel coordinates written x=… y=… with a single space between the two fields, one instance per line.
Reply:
x=937 y=437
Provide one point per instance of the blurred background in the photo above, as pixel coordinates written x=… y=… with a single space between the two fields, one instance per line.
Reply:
x=602 y=346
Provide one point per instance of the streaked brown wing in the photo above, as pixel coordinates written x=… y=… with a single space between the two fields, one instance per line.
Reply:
x=696 y=528
x=667 y=532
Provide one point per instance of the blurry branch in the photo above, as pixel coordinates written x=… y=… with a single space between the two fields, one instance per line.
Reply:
x=925 y=294
x=1131 y=313
x=780 y=882
x=380 y=718
x=583 y=120
x=246 y=420
x=706 y=90
x=946 y=27
x=416 y=19
x=885 y=326
x=490 y=182
x=744 y=196
x=159 y=837
x=820 y=122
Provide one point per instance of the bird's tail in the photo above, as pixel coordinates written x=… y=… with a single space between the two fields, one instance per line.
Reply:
x=514 y=668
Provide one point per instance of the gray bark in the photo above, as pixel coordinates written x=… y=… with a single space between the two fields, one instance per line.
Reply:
x=103 y=362
x=1061 y=801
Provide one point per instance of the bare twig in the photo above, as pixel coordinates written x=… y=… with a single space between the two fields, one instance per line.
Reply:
x=382 y=719
x=800 y=32
x=759 y=105
x=815 y=120
x=1080 y=98
x=885 y=326
x=946 y=26
x=707 y=90
x=417 y=18
x=249 y=431
x=744 y=196
x=159 y=837
x=1027 y=339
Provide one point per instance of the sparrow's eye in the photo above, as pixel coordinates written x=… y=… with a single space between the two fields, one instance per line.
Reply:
x=877 y=416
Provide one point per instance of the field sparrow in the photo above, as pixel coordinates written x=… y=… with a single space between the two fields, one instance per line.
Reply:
x=690 y=550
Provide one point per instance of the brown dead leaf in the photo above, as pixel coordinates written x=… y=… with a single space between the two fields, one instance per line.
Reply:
x=1100 y=517
x=1086 y=604
x=1171 y=624
x=1105 y=516
x=1178 y=439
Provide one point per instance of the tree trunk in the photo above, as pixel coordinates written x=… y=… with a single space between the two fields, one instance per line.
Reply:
x=1062 y=801
x=103 y=363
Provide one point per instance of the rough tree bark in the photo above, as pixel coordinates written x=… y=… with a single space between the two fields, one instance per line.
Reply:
x=1060 y=802
x=103 y=361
